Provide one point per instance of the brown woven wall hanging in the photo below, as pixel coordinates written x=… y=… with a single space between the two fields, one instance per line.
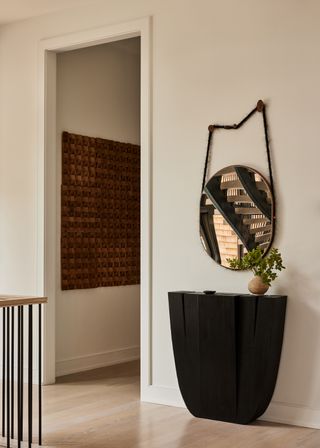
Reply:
x=100 y=213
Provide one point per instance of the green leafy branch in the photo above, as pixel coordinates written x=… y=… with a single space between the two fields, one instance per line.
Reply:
x=265 y=267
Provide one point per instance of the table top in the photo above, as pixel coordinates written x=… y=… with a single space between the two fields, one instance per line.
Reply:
x=228 y=294
x=14 y=300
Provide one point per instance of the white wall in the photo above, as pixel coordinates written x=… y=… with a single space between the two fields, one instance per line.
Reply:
x=212 y=60
x=98 y=94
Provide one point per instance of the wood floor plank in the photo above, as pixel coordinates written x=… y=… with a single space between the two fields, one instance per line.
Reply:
x=101 y=409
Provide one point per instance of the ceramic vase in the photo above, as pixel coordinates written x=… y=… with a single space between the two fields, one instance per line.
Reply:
x=257 y=287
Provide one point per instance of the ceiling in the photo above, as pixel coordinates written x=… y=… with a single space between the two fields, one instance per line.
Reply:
x=13 y=10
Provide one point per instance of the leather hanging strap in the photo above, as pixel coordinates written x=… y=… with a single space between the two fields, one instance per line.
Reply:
x=260 y=107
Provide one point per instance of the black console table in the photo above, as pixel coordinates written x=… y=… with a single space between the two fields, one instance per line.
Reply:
x=227 y=350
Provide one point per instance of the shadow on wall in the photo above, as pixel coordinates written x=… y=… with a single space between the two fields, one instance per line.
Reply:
x=300 y=361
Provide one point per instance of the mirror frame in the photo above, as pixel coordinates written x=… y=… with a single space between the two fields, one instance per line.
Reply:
x=204 y=195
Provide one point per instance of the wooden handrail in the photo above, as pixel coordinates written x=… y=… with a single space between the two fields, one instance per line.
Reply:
x=14 y=300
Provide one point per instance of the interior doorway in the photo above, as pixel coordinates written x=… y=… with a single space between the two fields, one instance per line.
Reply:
x=47 y=186
x=98 y=154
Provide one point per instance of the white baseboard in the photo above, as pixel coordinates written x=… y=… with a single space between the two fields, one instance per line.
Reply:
x=96 y=360
x=162 y=395
x=292 y=414
x=277 y=412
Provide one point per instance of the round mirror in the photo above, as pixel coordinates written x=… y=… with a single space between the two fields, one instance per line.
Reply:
x=236 y=214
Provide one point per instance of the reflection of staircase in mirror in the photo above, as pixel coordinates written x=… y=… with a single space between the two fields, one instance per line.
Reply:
x=229 y=243
x=239 y=222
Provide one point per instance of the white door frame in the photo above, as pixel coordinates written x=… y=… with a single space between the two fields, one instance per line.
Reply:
x=46 y=180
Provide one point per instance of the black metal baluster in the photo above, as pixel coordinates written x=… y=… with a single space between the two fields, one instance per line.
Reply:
x=8 y=377
x=40 y=375
x=9 y=407
x=22 y=372
x=19 y=378
x=3 y=372
x=30 y=365
x=12 y=372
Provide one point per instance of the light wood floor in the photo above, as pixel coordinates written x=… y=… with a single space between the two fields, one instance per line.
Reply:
x=101 y=408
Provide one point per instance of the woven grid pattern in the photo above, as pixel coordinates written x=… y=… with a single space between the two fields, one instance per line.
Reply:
x=100 y=213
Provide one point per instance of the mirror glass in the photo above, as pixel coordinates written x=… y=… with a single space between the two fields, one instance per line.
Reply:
x=236 y=214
